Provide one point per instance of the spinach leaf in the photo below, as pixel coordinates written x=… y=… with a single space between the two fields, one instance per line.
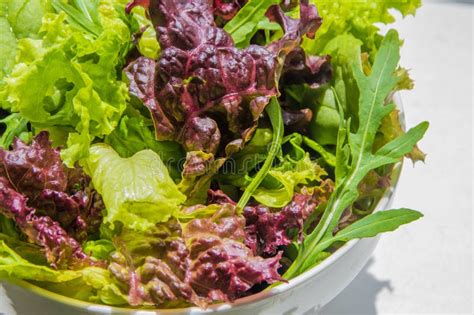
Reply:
x=354 y=149
x=274 y=113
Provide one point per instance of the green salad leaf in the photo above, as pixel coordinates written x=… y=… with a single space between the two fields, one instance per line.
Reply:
x=100 y=249
x=134 y=133
x=82 y=14
x=376 y=223
x=355 y=156
x=7 y=47
x=358 y=18
x=65 y=79
x=248 y=20
x=369 y=226
x=13 y=265
x=303 y=172
x=91 y=284
x=148 y=45
x=274 y=112
x=15 y=126
x=137 y=191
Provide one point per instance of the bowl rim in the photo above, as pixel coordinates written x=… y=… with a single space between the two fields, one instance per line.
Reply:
x=383 y=203
x=260 y=296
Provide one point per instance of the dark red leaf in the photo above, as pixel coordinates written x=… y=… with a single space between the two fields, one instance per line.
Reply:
x=54 y=206
x=32 y=168
x=267 y=229
x=61 y=250
x=223 y=268
x=206 y=261
x=205 y=92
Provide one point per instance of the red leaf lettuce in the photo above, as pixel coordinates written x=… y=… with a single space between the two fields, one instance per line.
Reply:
x=203 y=92
x=54 y=206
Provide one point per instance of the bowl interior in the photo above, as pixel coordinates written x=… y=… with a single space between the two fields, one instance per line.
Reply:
x=383 y=204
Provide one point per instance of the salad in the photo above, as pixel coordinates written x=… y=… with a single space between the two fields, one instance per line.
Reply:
x=169 y=153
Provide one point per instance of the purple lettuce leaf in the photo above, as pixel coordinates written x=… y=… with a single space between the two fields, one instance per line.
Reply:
x=226 y=10
x=268 y=229
x=61 y=250
x=301 y=68
x=223 y=268
x=53 y=205
x=64 y=194
x=204 y=92
x=198 y=262
x=154 y=266
x=222 y=9
x=35 y=167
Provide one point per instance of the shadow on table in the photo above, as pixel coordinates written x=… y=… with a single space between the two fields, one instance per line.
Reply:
x=360 y=296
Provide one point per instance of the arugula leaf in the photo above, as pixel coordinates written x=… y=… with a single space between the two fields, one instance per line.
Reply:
x=81 y=14
x=274 y=113
x=374 y=90
x=376 y=223
x=390 y=129
x=369 y=226
x=245 y=24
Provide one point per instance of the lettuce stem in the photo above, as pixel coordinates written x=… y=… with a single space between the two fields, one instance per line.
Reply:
x=274 y=113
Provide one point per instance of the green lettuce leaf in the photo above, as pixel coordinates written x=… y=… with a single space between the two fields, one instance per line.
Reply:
x=148 y=45
x=30 y=252
x=358 y=18
x=7 y=47
x=248 y=20
x=12 y=265
x=288 y=176
x=135 y=133
x=66 y=79
x=100 y=249
x=95 y=285
x=92 y=284
x=355 y=156
x=15 y=126
x=137 y=191
x=25 y=16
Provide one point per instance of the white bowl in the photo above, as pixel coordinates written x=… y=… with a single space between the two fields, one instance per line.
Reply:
x=305 y=294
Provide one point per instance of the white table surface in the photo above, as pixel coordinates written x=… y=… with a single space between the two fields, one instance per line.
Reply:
x=425 y=267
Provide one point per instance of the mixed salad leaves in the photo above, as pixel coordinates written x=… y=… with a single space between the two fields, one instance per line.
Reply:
x=162 y=153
